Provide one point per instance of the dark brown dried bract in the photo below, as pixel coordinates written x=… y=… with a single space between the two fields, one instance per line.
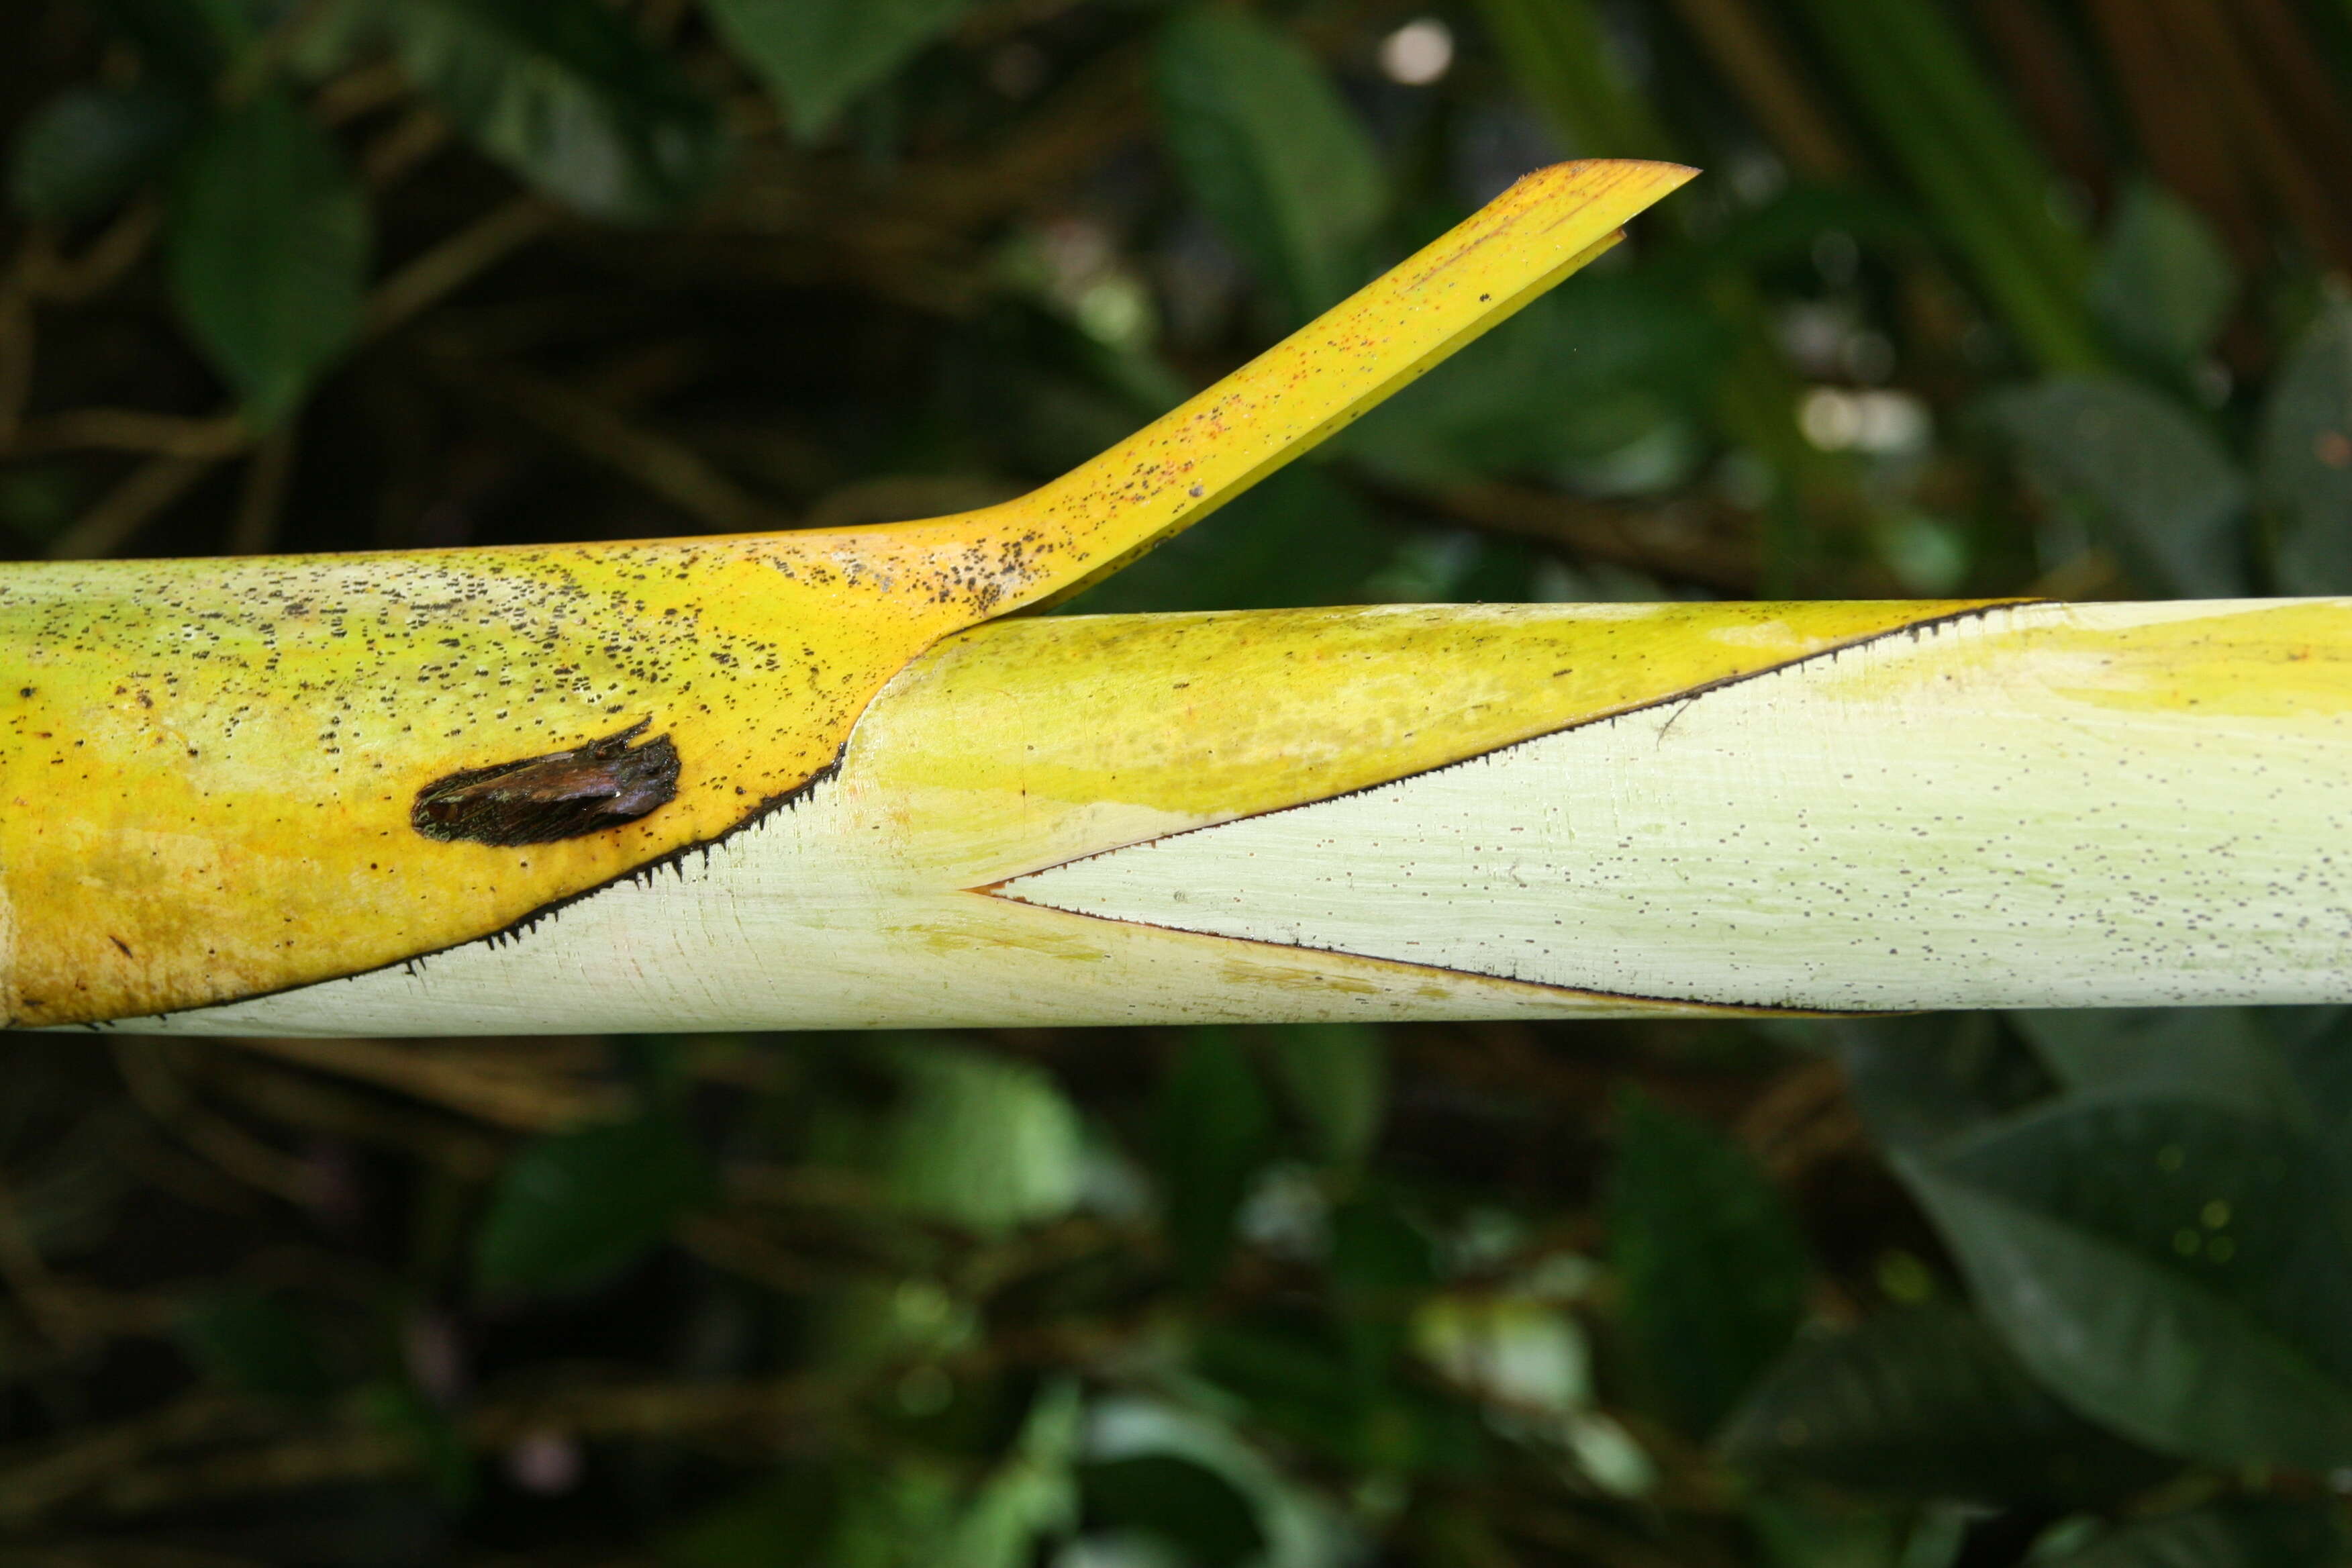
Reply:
x=563 y=794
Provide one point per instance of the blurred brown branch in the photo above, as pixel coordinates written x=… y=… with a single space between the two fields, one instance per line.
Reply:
x=489 y=1085
x=126 y=1471
x=147 y=1069
x=1757 y=63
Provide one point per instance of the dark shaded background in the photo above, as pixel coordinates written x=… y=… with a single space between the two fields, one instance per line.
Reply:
x=1986 y=297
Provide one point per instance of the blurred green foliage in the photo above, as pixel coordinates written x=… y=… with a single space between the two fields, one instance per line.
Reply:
x=1979 y=295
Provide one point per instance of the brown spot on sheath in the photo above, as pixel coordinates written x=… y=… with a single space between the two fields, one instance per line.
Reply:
x=559 y=796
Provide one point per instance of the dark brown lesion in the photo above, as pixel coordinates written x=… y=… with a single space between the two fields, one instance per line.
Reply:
x=601 y=784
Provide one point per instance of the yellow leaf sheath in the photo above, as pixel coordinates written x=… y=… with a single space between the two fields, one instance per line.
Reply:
x=208 y=768
x=904 y=890
x=1492 y=811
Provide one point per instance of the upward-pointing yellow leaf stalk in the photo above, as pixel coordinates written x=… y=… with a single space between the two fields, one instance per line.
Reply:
x=228 y=779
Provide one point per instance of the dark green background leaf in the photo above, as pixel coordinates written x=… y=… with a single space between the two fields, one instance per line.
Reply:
x=2173 y=1268
x=86 y=149
x=2165 y=283
x=1816 y=1532
x=1924 y=1404
x=1270 y=152
x=2170 y=499
x=269 y=240
x=1335 y=1077
x=1184 y=1503
x=185 y=42
x=1214 y=1129
x=567 y=95
x=2222 y=1056
x=251 y=1341
x=1917 y=1080
x=575 y=1208
x=1711 y=1270
x=1381 y=1270
x=2304 y=465
x=2221 y=1535
x=977 y=1140
x=781 y=1524
x=403 y=1413
x=818 y=55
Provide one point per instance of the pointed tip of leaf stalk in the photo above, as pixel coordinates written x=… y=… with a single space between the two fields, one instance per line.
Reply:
x=1184 y=465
